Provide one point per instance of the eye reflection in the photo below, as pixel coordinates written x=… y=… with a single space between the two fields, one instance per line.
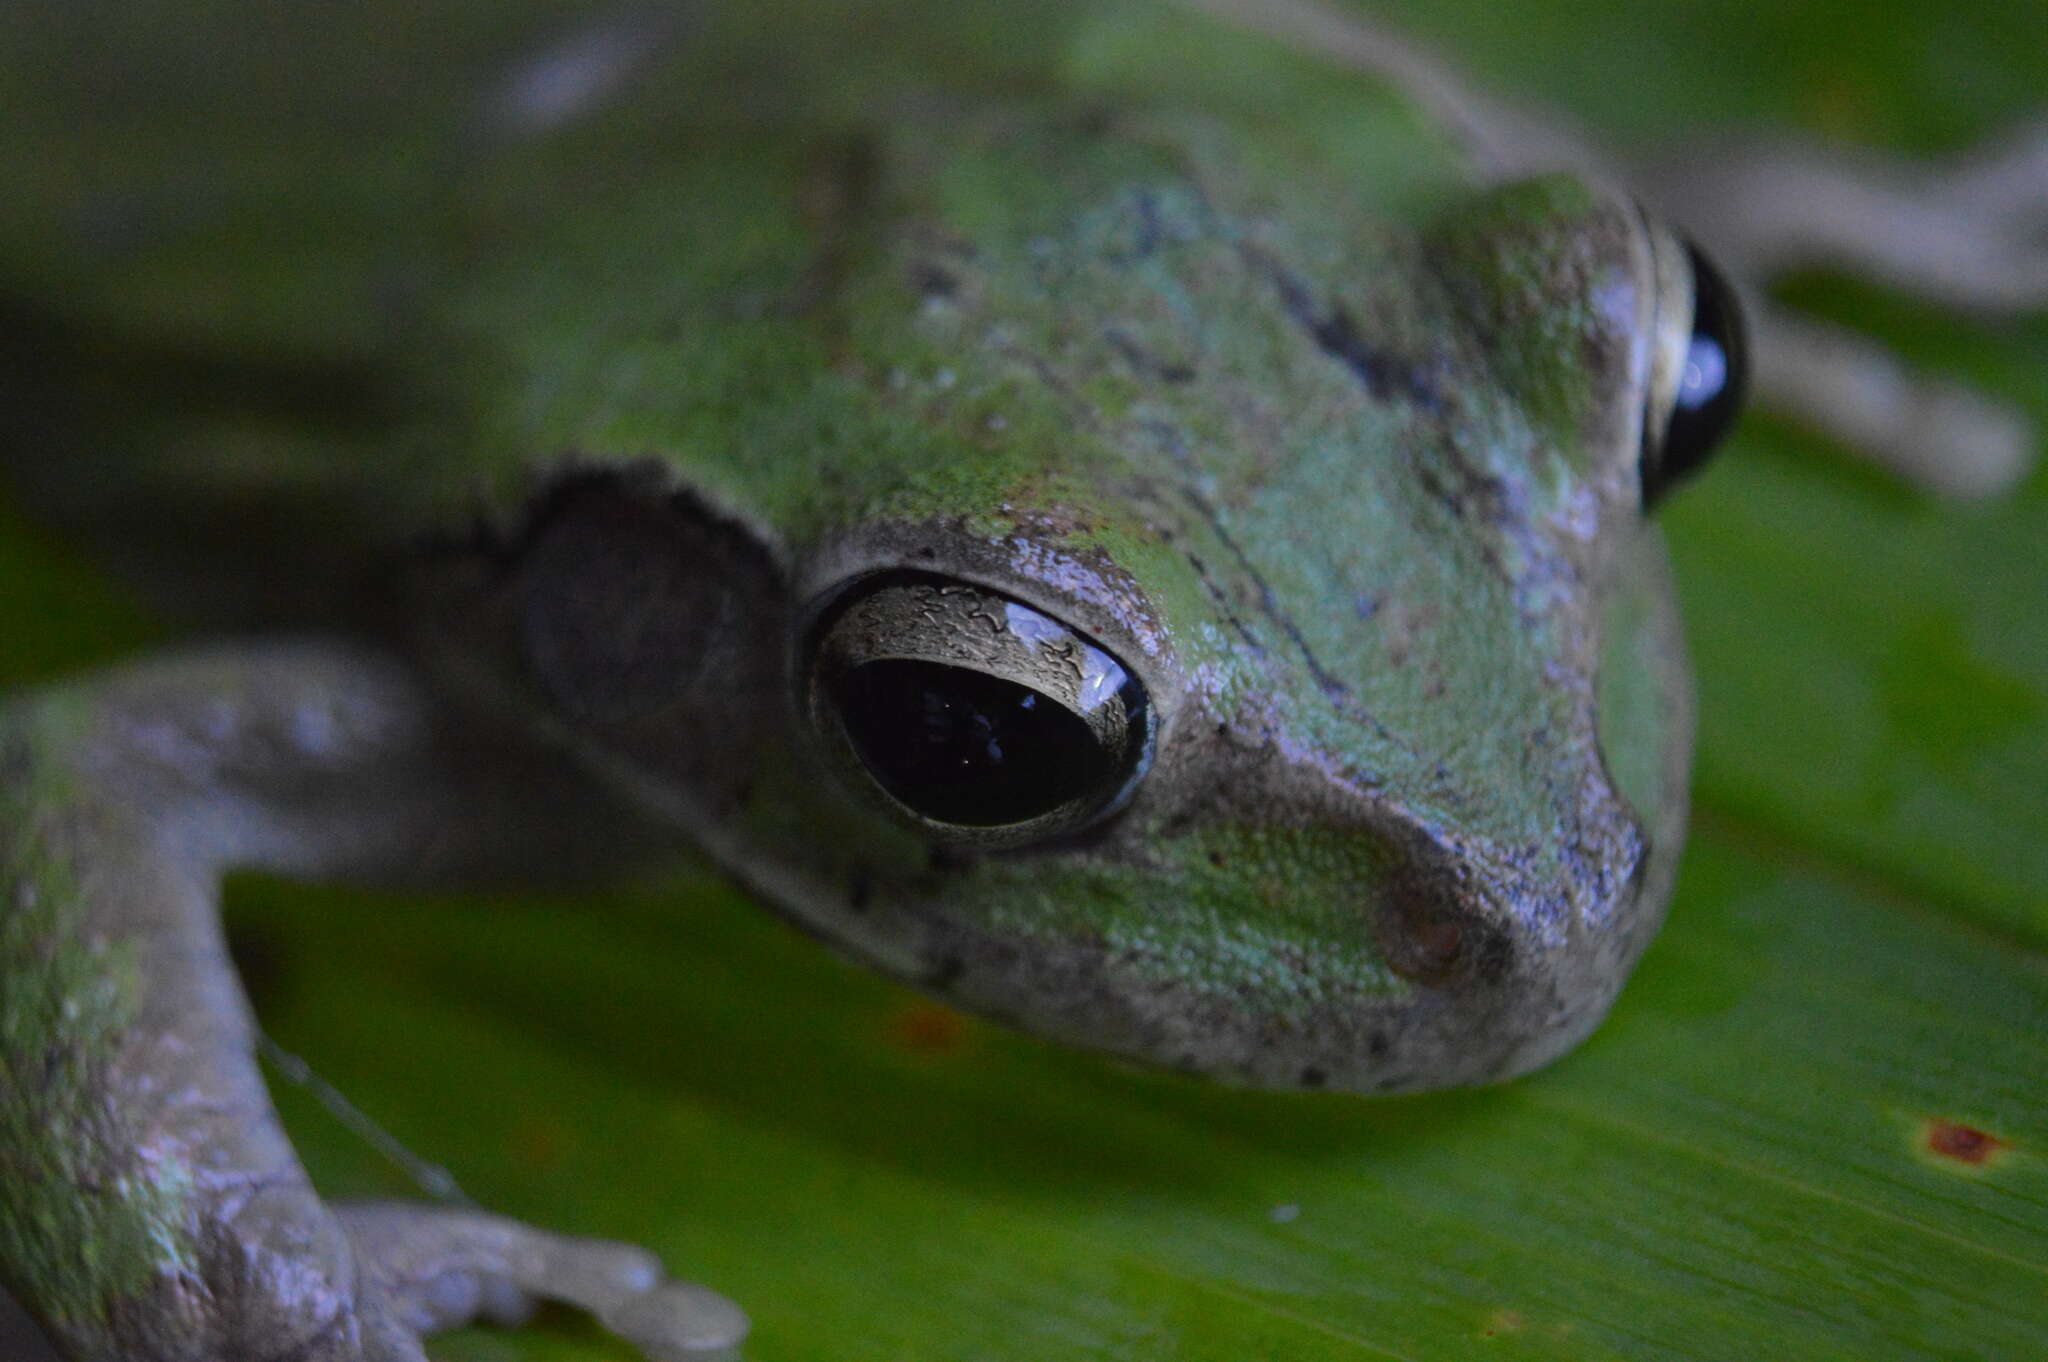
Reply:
x=1706 y=373
x=1101 y=677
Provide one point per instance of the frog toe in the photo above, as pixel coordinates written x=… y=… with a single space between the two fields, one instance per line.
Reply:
x=437 y=1267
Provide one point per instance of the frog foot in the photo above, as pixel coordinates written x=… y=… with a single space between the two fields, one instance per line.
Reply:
x=281 y=1274
x=153 y=1208
x=428 y=1268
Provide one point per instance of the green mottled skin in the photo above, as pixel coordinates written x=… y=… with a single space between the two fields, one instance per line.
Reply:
x=1212 y=356
x=67 y=1016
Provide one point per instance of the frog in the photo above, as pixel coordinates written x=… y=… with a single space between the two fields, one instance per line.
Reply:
x=1140 y=533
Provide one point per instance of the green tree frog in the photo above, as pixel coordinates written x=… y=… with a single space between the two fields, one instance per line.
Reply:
x=1090 y=512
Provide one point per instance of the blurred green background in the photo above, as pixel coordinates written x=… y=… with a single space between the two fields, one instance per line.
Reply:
x=1756 y=1157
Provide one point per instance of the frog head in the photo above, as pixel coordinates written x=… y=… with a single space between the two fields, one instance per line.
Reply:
x=1215 y=616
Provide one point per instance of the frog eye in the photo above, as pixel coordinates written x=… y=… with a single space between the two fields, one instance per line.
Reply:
x=1702 y=375
x=972 y=716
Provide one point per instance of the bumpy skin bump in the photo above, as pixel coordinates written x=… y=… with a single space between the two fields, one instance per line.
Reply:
x=1214 y=359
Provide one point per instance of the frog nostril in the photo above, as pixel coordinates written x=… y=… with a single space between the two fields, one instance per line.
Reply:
x=1426 y=947
x=1430 y=938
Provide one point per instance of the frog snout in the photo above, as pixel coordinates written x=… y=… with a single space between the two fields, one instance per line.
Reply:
x=1509 y=969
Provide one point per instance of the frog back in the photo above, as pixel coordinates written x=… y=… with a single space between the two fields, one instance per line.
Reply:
x=283 y=303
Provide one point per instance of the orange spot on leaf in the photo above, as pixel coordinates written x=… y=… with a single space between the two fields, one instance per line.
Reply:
x=539 y=1143
x=928 y=1028
x=1964 y=1144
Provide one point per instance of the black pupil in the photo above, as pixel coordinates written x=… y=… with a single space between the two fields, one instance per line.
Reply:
x=962 y=747
x=1710 y=389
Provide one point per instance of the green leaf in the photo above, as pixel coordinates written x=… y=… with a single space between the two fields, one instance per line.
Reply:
x=1813 y=1128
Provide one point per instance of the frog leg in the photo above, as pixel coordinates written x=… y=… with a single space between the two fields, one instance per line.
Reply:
x=1936 y=433
x=1500 y=139
x=440 y=1266
x=1971 y=234
x=151 y=1207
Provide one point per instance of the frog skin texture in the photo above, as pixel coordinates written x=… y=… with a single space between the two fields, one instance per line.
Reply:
x=558 y=461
